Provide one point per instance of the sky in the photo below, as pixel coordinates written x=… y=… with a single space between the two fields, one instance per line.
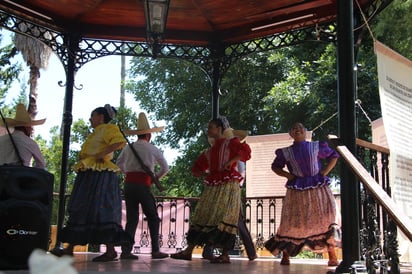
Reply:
x=98 y=82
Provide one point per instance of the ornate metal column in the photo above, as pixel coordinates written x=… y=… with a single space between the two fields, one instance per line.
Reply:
x=72 y=47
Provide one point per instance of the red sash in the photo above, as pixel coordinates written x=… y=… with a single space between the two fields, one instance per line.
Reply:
x=138 y=178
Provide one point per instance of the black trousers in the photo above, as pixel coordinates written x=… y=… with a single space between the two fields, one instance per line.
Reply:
x=244 y=236
x=135 y=194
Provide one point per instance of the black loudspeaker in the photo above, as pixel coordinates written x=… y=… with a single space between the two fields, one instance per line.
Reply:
x=26 y=195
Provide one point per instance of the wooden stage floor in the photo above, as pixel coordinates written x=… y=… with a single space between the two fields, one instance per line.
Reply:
x=82 y=263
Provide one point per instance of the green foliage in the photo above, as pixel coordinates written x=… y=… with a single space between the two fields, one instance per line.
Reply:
x=9 y=71
x=262 y=93
x=52 y=154
x=392 y=27
x=125 y=118
x=245 y=86
x=174 y=91
x=307 y=254
x=79 y=132
x=180 y=181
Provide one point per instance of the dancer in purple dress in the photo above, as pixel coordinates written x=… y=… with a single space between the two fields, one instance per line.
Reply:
x=309 y=208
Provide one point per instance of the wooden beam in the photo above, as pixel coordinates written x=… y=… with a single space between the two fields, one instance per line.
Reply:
x=391 y=208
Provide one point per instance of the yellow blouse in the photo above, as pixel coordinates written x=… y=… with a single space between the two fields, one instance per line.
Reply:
x=103 y=136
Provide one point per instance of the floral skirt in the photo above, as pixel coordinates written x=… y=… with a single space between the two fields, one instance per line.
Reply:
x=309 y=220
x=95 y=210
x=216 y=216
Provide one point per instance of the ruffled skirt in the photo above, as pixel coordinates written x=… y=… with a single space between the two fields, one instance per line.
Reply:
x=309 y=219
x=216 y=216
x=95 y=210
x=307 y=182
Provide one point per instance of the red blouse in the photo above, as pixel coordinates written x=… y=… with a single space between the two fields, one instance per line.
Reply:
x=213 y=159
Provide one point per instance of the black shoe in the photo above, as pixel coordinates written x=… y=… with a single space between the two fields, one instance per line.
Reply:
x=61 y=251
x=207 y=253
x=105 y=257
x=182 y=256
x=159 y=255
x=251 y=258
x=128 y=256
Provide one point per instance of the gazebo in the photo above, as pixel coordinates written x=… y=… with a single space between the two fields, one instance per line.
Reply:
x=211 y=34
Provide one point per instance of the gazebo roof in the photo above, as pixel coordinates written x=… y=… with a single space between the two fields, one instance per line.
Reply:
x=189 y=22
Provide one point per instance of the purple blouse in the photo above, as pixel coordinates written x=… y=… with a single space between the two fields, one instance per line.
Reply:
x=303 y=159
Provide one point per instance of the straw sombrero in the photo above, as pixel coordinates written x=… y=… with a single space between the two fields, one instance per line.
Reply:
x=230 y=133
x=21 y=118
x=241 y=134
x=142 y=127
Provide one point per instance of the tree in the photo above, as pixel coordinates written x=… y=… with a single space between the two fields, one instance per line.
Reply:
x=36 y=55
x=262 y=93
x=258 y=102
x=166 y=95
x=246 y=83
x=9 y=71
x=392 y=27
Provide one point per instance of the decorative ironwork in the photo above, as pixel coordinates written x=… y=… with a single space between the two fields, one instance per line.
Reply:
x=214 y=59
x=172 y=241
x=205 y=57
x=260 y=238
x=172 y=238
x=60 y=83
x=144 y=239
x=390 y=247
x=237 y=249
x=186 y=222
x=248 y=211
x=379 y=249
x=371 y=250
x=272 y=217
x=160 y=212
x=136 y=249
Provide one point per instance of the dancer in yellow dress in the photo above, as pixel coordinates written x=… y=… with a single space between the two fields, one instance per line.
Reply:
x=94 y=207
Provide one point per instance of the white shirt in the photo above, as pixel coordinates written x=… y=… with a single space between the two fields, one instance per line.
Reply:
x=28 y=150
x=149 y=154
x=241 y=167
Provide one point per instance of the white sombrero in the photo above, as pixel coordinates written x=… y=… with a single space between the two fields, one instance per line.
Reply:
x=21 y=119
x=143 y=127
x=230 y=133
x=241 y=134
